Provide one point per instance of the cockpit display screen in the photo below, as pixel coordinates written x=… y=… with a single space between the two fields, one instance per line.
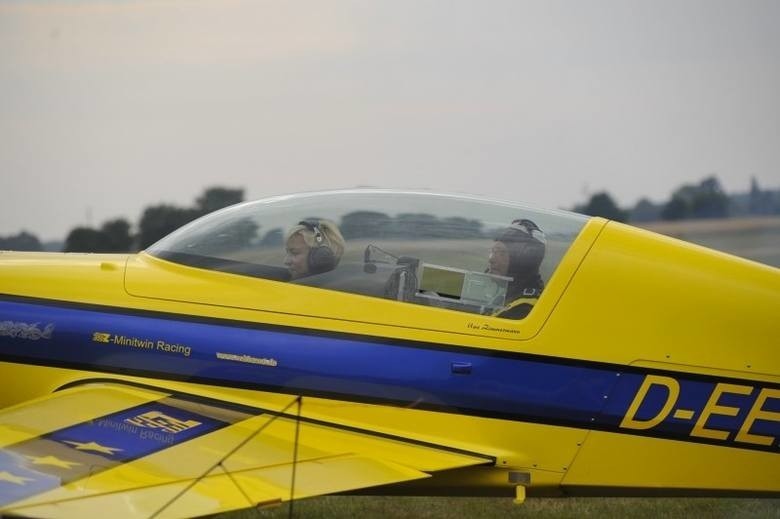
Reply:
x=445 y=282
x=464 y=286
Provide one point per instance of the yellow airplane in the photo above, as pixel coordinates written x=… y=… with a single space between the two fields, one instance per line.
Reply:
x=387 y=342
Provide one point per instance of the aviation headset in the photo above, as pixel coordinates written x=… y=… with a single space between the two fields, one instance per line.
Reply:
x=321 y=257
x=527 y=244
x=530 y=228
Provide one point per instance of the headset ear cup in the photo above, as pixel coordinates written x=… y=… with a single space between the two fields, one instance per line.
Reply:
x=321 y=259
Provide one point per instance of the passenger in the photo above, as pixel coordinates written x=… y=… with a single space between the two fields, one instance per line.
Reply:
x=313 y=247
x=517 y=253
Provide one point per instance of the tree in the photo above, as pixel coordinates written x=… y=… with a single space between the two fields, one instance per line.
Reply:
x=116 y=236
x=706 y=200
x=675 y=209
x=113 y=236
x=458 y=227
x=709 y=200
x=84 y=239
x=232 y=234
x=160 y=220
x=365 y=224
x=416 y=225
x=602 y=204
x=645 y=211
x=215 y=198
x=23 y=241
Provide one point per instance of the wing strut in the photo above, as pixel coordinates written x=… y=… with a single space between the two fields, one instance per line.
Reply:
x=219 y=463
x=299 y=400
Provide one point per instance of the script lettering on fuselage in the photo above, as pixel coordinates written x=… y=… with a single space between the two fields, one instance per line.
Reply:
x=486 y=327
x=739 y=414
x=29 y=331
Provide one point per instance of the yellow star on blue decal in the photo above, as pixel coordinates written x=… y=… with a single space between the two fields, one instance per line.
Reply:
x=18 y=480
x=52 y=460
x=92 y=446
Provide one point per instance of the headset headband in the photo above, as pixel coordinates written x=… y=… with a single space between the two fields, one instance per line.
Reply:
x=530 y=228
x=313 y=226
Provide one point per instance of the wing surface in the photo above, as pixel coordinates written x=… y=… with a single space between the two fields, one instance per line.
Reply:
x=138 y=452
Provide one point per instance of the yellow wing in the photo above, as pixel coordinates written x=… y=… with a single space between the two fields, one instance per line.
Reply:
x=138 y=452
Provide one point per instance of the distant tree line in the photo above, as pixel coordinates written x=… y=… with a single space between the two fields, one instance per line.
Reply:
x=23 y=241
x=371 y=224
x=703 y=200
x=116 y=235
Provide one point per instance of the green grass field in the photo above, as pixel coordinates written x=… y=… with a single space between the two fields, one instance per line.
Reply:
x=483 y=507
x=757 y=239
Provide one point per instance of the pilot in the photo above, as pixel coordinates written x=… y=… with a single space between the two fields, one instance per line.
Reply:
x=313 y=246
x=517 y=252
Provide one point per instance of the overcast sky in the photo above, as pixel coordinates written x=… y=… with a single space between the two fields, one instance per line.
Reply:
x=107 y=107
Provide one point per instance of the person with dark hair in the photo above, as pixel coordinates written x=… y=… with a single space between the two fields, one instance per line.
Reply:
x=517 y=253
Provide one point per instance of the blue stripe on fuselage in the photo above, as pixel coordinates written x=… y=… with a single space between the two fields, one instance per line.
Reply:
x=502 y=385
x=263 y=358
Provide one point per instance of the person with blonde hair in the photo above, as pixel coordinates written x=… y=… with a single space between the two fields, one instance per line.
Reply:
x=313 y=246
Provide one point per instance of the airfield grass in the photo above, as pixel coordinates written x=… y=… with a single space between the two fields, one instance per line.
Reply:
x=483 y=507
x=757 y=239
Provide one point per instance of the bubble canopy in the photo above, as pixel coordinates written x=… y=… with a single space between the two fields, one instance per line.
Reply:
x=450 y=235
